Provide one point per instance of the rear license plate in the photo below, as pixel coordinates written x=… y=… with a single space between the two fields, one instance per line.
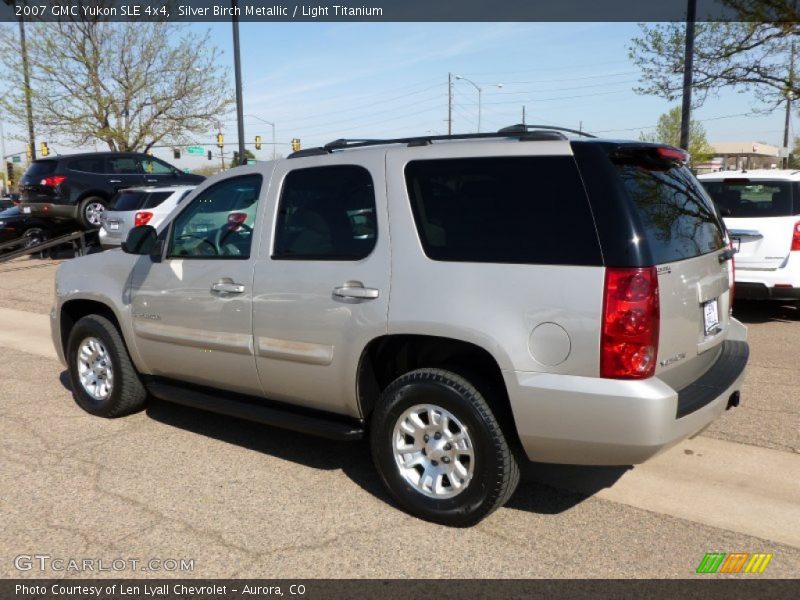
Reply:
x=113 y=226
x=26 y=210
x=711 y=316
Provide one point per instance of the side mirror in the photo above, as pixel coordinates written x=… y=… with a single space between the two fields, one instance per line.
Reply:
x=141 y=240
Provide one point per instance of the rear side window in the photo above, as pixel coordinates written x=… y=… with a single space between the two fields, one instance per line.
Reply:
x=87 y=165
x=503 y=210
x=39 y=168
x=128 y=201
x=677 y=218
x=326 y=213
x=123 y=165
x=155 y=198
x=744 y=198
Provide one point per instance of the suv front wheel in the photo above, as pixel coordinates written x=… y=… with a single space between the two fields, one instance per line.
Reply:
x=104 y=380
x=440 y=450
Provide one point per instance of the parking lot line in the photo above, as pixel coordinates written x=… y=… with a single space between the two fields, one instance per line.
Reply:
x=26 y=332
x=733 y=486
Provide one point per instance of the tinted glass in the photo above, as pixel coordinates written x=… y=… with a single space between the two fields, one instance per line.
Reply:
x=128 y=201
x=40 y=168
x=9 y=212
x=88 y=165
x=677 y=218
x=503 y=210
x=742 y=198
x=156 y=167
x=123 y=165
x=326 y=213
x=218 y=223
x=155 y=198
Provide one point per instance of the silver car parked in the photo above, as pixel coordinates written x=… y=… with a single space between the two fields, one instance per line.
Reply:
x=464 y=302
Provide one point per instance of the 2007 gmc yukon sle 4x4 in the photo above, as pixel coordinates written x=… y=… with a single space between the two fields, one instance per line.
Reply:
x=466 y=303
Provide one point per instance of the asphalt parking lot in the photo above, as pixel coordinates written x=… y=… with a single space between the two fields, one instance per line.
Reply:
x=244 y=500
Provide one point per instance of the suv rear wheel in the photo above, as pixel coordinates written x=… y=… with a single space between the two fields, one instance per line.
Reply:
x=90 y=211
x=104 y=380
x=440 y=450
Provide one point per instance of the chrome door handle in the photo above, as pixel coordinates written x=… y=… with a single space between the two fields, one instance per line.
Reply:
x=227 y=286
x=355 y=289
x=115 y=181
x=152 y=181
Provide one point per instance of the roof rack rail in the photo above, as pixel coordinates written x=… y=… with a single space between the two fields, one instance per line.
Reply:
x=521 y=128
x=522 y=132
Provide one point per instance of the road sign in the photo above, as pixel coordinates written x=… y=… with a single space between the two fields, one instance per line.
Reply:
x=16 y=159
x=250 y=161
x=195 y=150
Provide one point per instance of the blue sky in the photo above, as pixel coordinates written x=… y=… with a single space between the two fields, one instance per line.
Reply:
x=321 y=81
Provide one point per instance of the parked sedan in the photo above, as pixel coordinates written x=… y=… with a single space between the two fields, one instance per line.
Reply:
x=138 y=206
x=28 y=231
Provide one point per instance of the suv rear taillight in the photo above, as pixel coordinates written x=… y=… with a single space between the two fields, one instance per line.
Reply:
x=53 y=180
x=631 y=317
x=142 y=218
x=796 y=236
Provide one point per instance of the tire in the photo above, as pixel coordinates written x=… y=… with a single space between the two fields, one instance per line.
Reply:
x=475 y=485
x=33 y=237
x=89 y=212
x=93 y=338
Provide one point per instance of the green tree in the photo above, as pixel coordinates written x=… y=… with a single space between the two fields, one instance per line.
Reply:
x=753 y=53
x=129 y=85
x=668 y=131
x=794 y=155
x=247 y=154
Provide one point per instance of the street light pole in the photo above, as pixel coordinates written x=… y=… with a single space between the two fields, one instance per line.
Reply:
x=688 y=66
x=480 y=90
x=237 y=66
x=271 y=124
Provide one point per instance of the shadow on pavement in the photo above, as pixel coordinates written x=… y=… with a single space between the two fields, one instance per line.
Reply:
x=765 y=311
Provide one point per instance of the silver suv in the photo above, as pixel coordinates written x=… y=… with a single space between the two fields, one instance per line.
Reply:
x=465 y=302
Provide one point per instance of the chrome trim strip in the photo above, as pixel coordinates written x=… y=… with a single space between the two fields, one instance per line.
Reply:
x=305 y=352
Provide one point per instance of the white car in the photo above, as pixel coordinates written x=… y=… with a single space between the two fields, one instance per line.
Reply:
x=761 y=210
x=138 y=206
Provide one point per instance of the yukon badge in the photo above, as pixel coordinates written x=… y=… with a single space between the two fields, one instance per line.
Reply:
x=673 y=359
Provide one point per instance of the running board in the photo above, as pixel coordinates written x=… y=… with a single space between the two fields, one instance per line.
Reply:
x=267 y=412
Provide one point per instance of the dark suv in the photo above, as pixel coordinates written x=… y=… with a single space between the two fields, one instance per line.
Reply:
x=79 y=186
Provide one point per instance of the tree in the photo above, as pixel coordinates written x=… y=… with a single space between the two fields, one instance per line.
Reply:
x=740 y=55
x=794 y=155
x=668 y=131
x=129 y=85
x=247 y=154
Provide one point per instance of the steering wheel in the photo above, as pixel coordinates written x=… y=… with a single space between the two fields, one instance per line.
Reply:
x=225 y=231
x=203 y=243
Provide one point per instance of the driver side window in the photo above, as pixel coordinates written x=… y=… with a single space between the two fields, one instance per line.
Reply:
x=219 y=221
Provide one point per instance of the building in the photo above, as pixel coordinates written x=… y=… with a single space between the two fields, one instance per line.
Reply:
x=745 y=155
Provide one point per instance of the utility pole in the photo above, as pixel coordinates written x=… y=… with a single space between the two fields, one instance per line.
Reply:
x=523 y=114
x=237 y=65
x=688 y=66
x=787 y=121
x=26 y=80
x=449 y=104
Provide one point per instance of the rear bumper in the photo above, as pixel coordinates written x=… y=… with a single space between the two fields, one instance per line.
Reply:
x=109 y=240
x=593 y=421
x=51 y=210
x=750 y=290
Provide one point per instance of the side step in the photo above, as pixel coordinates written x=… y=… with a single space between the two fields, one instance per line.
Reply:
x=331 y=426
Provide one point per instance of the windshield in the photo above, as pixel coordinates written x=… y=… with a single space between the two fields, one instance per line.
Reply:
x=745 y=198
x=9 y=212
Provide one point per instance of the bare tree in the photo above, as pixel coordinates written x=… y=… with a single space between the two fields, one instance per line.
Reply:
x=129 y=85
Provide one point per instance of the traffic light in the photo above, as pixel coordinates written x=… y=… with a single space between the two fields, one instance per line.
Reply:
x=176 y=153
x=209 y=155
x=45 y=149
x=220 y=140
x=10 y=175
x=295 y=144
x=258 y=142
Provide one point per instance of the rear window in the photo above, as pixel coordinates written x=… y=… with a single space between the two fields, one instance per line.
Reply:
x=39 y=168
x=503 y=210
x=677 y=218
x=154 y=199
x=744 y=198
x=138 y=200
x=88 y=165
